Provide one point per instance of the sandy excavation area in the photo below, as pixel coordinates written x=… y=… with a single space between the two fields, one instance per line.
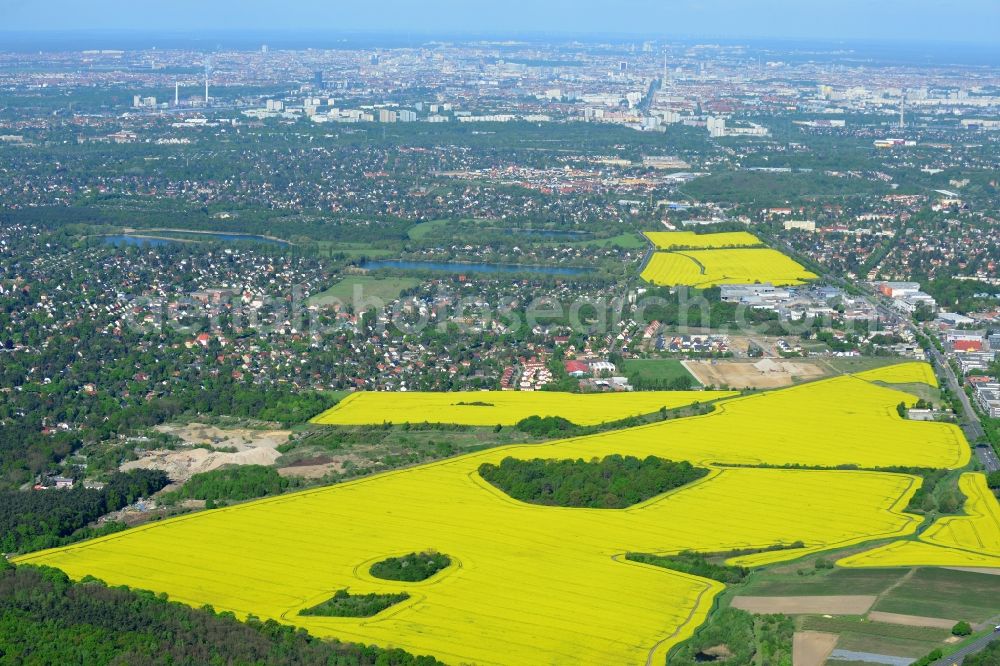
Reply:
x=763 y=374
x=253 y=447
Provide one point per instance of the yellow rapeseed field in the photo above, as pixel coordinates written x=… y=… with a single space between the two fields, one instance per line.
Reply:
x=488 y=408
x=547 y=585
x=972 y=540
x=843 y=420
x=708 y=268
x=901 y=373
x=669 y=240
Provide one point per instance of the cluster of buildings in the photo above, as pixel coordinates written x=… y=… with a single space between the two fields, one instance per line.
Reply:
x=699 y=344
x=906 y=296
x=798 y=303
x=527 y=375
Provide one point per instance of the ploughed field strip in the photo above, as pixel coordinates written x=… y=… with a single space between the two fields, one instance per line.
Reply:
x=489 y=408
x=545 y=584
x=672 y=240
x=709 y=268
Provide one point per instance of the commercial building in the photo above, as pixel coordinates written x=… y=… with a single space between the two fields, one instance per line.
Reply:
x=987 y=395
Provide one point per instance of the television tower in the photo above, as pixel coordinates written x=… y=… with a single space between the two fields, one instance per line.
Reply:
x=177 y=93
x=208 y=66
x=902 y=110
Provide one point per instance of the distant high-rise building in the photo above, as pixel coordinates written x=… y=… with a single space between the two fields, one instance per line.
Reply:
x=263 y=48
x=623 y=67
x=318 y=79
x=407 y=116
x=374 y=59
x=386 y=116
x=716 y=126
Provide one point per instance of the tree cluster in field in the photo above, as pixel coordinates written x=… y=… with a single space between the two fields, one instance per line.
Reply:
x=614 y=482
x=233 y=483
x=547 y=426
x=345 y=604
x=47 y=619
x=746 y=638
x=33 y=520
x=693 y=563
x=410 y=568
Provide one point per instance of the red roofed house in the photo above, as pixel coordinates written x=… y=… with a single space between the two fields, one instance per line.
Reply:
x=576 y=368
x=967 y=345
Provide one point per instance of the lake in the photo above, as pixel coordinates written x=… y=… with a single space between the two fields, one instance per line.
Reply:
x=466 y=267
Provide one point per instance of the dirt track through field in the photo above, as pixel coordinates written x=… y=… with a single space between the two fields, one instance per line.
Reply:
x=811 y=648
x=850 y=604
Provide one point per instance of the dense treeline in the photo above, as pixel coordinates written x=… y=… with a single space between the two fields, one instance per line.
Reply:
x=236 y=483
x=46 y=518
x=345 y=604
x=693 y=563
x=410 y=568
x=961 y=295
x=776 y=189
x=615 y=482
x=641 y=382
x=47 y=619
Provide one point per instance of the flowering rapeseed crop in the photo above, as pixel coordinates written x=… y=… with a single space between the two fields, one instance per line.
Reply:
x=539 y=584
x=708 y=268
x=487 y=408
x=901 y=373
x=669 y=240
x=972 y=540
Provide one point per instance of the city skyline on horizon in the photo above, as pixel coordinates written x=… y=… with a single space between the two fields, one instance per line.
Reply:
x=891 y=21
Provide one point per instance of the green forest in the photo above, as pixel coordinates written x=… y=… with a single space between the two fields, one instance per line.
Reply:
x=45 y=618
x=614 y=482
x=48 y=518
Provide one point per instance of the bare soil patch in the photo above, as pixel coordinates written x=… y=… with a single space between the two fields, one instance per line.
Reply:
x=911 y=620
x=811 y=648
x=850 y=604
x=762 y=374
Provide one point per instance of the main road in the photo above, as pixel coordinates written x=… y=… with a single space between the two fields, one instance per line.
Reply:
x=975 y=646
x=970 y=421
x=971 y=424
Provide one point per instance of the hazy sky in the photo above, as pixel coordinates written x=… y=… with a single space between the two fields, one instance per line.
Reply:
x=910 y=20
